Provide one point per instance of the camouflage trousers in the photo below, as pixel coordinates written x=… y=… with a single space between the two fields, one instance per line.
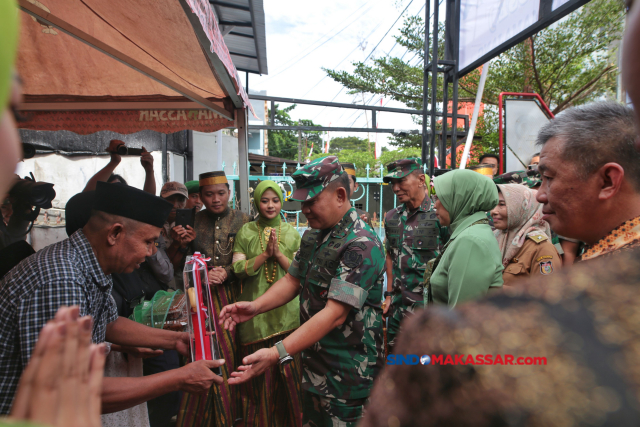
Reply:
x=397 y=314
x=320 y=411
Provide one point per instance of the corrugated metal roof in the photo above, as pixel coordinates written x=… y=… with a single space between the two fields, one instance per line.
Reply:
x=242 y=25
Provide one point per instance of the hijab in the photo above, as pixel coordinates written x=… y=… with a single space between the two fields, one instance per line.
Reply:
x=257 y=195
x=524 y=218
x=463 y=193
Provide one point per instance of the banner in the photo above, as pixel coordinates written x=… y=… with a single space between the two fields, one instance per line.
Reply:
x=86 y=122
x=486 y=24
x=523 y=120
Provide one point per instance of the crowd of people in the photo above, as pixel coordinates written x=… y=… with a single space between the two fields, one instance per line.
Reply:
x=539 y=265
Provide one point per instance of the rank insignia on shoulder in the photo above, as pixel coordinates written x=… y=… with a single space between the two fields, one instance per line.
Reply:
x=538 y=238
x=544 y=257
x=546 y=268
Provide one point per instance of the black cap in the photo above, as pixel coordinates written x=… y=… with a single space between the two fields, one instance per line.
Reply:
x=129 y=202
x=78 y=211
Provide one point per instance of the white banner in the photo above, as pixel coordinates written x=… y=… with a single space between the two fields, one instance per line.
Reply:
x=486 y=24
x=557 y=3
x=524 y=118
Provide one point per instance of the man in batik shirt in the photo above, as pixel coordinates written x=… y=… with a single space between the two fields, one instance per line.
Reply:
x=591 y=177
x=216 y=227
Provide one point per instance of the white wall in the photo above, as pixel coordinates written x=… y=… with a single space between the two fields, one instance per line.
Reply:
x=205 y=151
x=71 y=173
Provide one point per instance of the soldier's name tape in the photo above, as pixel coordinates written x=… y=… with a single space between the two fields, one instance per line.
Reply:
x=463 y=359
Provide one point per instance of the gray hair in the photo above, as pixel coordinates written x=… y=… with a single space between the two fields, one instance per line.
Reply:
x=595 y=134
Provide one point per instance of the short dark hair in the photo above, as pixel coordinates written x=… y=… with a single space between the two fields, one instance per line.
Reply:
x=489 y=155
x=341 y=182
x=116 y=177
x=595 y=134
x=353 y=177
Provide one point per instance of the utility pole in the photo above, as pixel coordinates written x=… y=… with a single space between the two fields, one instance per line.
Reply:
x=299 y=146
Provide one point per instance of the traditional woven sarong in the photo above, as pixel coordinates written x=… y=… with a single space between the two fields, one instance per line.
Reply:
x=273 y=399
x=219 y=407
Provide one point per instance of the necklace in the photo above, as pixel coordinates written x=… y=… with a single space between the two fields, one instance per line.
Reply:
x=267 y=234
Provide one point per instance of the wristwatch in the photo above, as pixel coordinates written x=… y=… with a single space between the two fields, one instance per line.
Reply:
x=388 y=294
x=285 y=358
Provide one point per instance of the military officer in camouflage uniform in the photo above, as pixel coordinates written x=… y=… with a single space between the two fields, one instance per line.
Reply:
x=412 y=239
x=338 y=273
x=531 y=178
x=350 y=169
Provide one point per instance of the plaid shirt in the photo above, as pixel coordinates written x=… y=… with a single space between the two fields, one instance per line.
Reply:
x=66 y=273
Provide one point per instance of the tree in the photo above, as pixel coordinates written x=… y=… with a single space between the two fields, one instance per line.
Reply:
x=284 y=143
x=336 y=145
x=362 y=158
x=569 y=63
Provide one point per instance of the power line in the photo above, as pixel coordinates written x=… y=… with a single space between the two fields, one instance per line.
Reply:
x=374 y=49
x=390 y=28
x=288 y=66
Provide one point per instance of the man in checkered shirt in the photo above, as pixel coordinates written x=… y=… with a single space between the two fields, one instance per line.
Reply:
x=120 y=233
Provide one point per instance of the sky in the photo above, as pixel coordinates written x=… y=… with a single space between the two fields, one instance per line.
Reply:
x=304 y=36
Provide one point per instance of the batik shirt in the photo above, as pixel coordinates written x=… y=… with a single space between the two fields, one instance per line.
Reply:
x=215 y=235
x=624 y=237
x=346 y=264
x=411 y=245
x=65 y=273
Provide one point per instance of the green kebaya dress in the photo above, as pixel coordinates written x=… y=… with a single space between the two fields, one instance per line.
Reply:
x=272 y=399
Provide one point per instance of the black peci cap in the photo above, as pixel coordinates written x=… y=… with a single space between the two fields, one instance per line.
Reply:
x=129 y=202
x=78 y=211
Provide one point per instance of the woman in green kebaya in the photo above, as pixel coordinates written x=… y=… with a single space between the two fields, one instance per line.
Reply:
x=262 y=254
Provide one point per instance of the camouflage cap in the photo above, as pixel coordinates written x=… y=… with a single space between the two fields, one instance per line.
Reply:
x=314 y=177
x=402 y=168
x=530 y=178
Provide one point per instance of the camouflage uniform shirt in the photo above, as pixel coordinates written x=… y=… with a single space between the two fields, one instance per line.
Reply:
x=411 y=246
x=346 y=264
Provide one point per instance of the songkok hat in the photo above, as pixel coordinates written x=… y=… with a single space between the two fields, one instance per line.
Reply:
x=78 y=211
x=192 y=186
x=314 y=177
x=349 y=168
x=211 y=178
x=402 y=168
x=129 y=202
x=173 y=187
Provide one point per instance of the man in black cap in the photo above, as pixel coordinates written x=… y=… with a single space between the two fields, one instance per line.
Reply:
x=121 y=232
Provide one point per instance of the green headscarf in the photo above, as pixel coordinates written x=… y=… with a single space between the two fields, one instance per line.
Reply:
x=8 y=44
x=464 y=192
x=257 y=195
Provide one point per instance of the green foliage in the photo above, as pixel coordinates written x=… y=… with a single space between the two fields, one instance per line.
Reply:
x=284 y=143
x=336 y=145
x=363 y=158
x=392 y=156
x=569 y=63
x=360 y=158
